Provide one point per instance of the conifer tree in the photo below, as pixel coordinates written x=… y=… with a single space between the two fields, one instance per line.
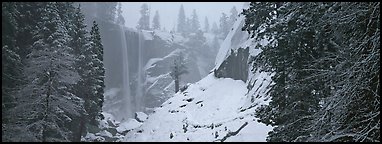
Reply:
x=315 y=53
x=233 y=16
x=120 y=20
x=98 y=71
x=44 y=104
x=181 y=27
x=224 y=25
x=11 y=61
x=195 y=24
x=206 y=25
x=144 y=21
x=214 y=28
x=156 y=23
x=177 y=69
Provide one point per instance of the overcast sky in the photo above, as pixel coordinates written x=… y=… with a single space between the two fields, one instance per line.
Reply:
x=168 y=11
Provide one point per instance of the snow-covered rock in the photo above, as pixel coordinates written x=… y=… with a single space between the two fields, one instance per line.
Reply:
x=148 y=35
x=104 y=133
x=90 y=137
x=128 y=125
x=209 y=110
x=140 y=116
x=215 y=109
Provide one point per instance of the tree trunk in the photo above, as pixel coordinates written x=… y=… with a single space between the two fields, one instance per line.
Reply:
x=77 y=138
x=44 y=131
x=176 y=84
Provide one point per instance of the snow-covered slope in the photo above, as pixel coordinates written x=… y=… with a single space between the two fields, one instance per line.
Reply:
x=209 y=110
x=215 y=109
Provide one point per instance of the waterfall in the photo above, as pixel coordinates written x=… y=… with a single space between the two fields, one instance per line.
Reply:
x=127 y=109
x=139 y=96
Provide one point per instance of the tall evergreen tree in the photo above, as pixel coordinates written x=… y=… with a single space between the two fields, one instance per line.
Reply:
x=144 y=21
x=181 y=27
x=206 y=25
x=214 y=28
x=120 y=20
x=349 y=109
x=11 y=61
x=177 y=69
x=44 y=103
x=156 y=23
x=187 y=27
x=215 y=45
x=233 y=16
x=195 y=24
x=80 y=45
x=224 y=26
x=98 y=71
x=288 y=54
x=26 y=22
x=106 y=10
x=314 y=52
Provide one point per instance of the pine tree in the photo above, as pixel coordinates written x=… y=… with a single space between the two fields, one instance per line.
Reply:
x=315 y=53
x=67 y=14
x=197 y=42
x=120 y=20
x=187 y=27
x=224 y=27
x=288 y=54
x=98 y=71
x=156 y=23
x=11 y=62
x=80 y=45
x=214 y=28
x=106 y=10
x=181 y=27
x=26 y=22
x=349 y=109
x=215 y=45
x=232 y=17
x=206 y=25
x=195 y=24
x=179 y=68
x=44 y=103
x=144 y=21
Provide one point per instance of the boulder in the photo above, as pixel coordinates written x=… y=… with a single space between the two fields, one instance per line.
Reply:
x=140 y=116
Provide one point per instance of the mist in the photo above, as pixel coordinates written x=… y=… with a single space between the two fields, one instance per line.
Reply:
x=169 y=11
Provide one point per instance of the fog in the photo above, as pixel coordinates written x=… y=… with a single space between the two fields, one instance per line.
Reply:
x=139 y=61
x=168 y=11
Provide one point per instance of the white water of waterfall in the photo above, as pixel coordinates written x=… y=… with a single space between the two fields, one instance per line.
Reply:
x=139 y=96
x=127 y=109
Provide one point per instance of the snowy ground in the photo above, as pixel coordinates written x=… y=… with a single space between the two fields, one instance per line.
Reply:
x=207 y=111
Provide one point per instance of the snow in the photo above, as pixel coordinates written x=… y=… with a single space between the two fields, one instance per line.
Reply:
x=234 y=40
x=202 y=67
x=147 y=35
x=204 y=109
x=169 y=37
x=111 y=93
x=128 y=125
x=209 y=38
x=90 y=137
x=140 y=116
x=104 y=133
x=151 y=63
x=108 y=117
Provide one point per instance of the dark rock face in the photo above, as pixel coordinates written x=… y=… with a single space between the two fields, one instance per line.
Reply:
x=235 y=66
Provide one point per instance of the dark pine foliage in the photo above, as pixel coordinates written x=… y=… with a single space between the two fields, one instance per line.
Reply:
x=325 y=60
x=47 y=56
